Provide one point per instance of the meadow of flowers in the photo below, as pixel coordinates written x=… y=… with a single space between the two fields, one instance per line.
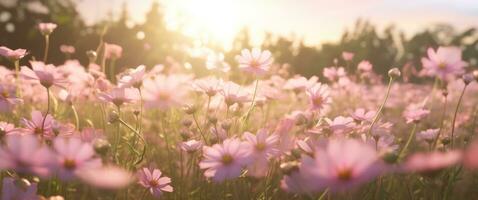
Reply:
x=247 y=130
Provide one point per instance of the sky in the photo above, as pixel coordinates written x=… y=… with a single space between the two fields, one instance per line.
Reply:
x=314 y=21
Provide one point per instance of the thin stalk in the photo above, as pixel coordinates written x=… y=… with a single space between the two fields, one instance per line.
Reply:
x=47 y=111
x=47 y=47
x=381 y=106
x=112 y=70
x=117 y=135
x=77 y=119
x=253 y=101
x=410 y=137
x=199 y=127
x=17 y=77
x=441 y=123
x=454 y=116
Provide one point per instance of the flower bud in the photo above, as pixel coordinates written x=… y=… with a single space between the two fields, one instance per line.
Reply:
x=190 y=109
x=113 y=117
x=91 y=56
x=289 y=167
x=101 y=146
x=187 y=122
x=394 y=73
x=226 y=125
x=212 y=119
x=468 y=78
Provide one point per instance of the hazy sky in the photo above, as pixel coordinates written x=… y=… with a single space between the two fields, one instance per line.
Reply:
x=313 y=20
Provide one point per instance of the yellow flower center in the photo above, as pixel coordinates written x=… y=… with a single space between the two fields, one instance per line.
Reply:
x=227 y=159
x=69 y=164
x=260 y=146
x=442 y=65
x=344 y=174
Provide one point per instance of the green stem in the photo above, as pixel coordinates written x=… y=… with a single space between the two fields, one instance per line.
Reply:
x=253 y=102
x=77 y=119
x=199 y=127
x=441 y=123
x=410 y=138
x=17 y=78
x=454 y=116
x=381 y=107
x=47 y=46
x=47 y=110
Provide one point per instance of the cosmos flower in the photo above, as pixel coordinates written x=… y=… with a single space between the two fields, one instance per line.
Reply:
x=319 y=97
x=13 y=55
x=191 y=146
x=224 y=161
x=133 y=77
x=8 y=129
x=36 y=126
x=444 y=63
x=209 y=85
x=113 y=51
x=152 y=180
x=67 y=49
x=348 y=56
x=432 y=161
x=119 y=96
x=72 y=156
x=233 y=93
x=261 y=147
x=334 y=73
x=361 y=115
x=340 y=125
x=342 y=164
x=256 y=61
x=415 y=115
x=8 y=98
x=365 y=66
x=163 y=92
x=46 y=75
x=428 y=135
x=46 y=28
x=300 y=83
x=470 y=160
x=18 y=189
x=25 y=154
x=111 y=177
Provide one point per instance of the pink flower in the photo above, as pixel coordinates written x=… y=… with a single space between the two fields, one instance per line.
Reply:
x=191 y=146
x=36 y=126
x=361 y=115
x=300 y=83
x=113 y=51
x=13 y=55
x=261 y=147
x=111 y=177
x=334 y=73
x=415 y=115
x=347 y=56
x=67 y=49
x=209 y=85
x=46 y=28
x=319 y=97
x=340 y=125
x=90 y=134
x=428 y=135
x=119 y=96
x=341 y=164
x=25 y=154
x=163 y=92
x=18 y=190
x=133 y=77
x=445 y=63
x=152 y=180
x=46 y=75
x=365 y=66
x=224 y=161
x=431 y=162
x=256 y=61
x=233 y=93
x=8 y=129
x=8 y=98
x=73 y=156
x=470 y=160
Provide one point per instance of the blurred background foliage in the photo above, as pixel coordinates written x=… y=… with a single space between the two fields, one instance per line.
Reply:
x=151 y=43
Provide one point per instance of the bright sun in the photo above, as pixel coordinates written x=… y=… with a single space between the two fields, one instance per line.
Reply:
x=209 y=20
